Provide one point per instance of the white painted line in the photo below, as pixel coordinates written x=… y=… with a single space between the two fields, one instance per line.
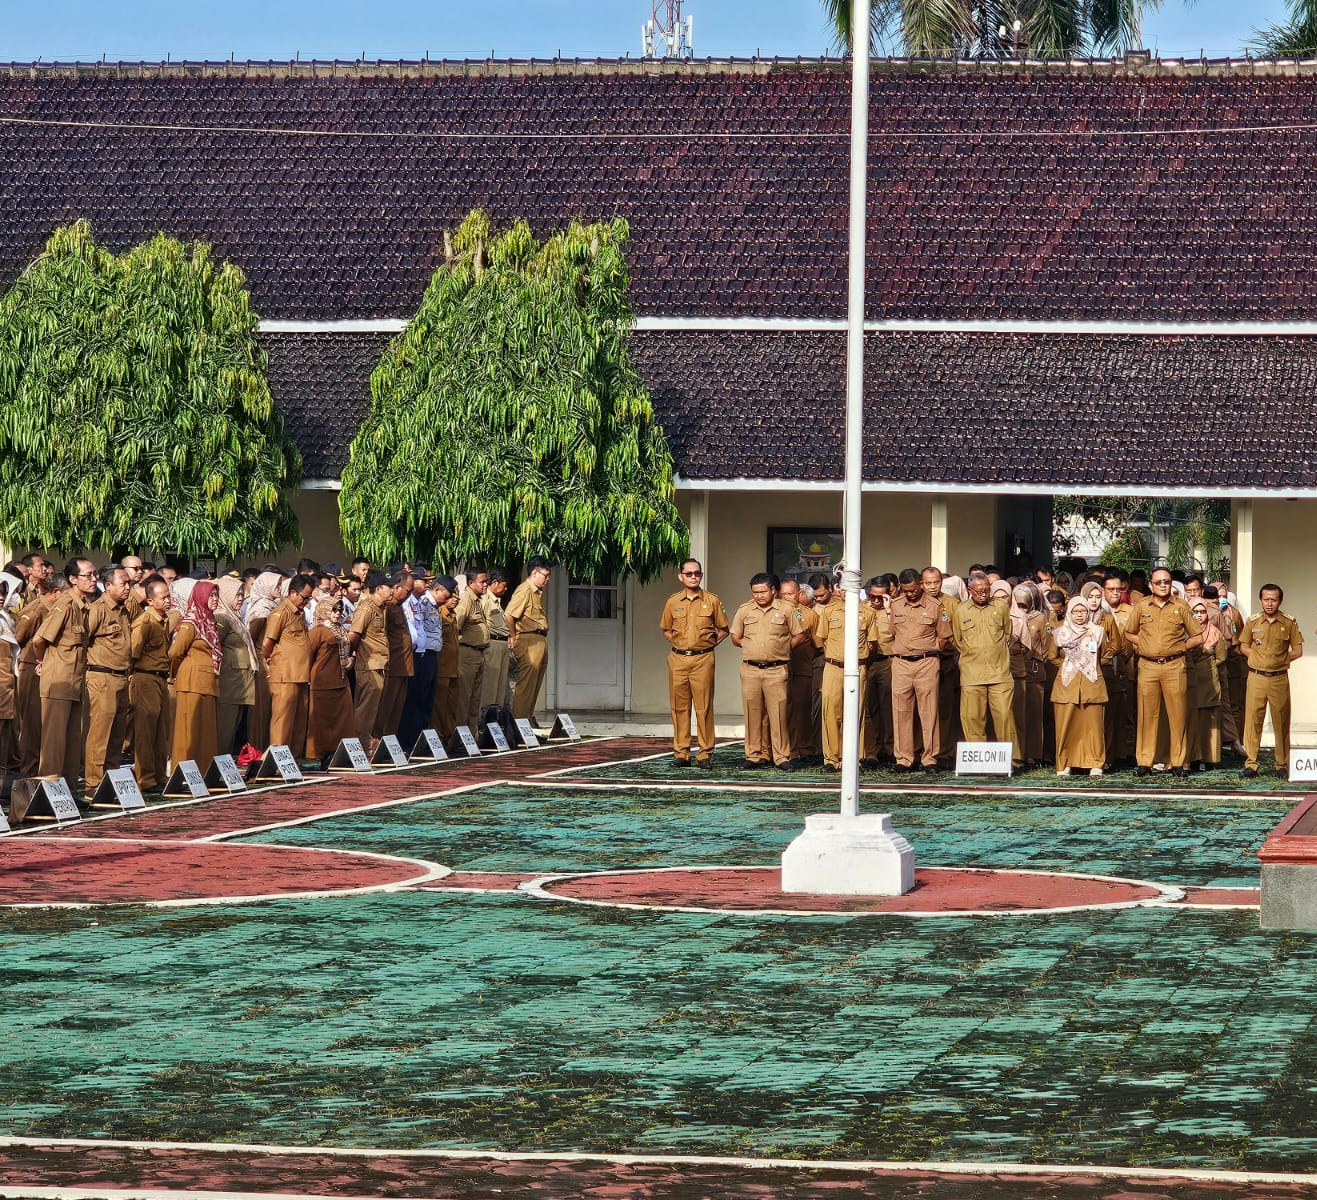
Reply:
x=1168 y=894
x=949 y=1167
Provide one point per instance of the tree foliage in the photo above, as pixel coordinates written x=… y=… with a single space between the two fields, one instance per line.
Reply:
x=134 y=408
x=1198 y=530
x=1294 y=37
x=507 y=420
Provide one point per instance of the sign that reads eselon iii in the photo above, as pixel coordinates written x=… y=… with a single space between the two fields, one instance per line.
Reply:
x=983 y=758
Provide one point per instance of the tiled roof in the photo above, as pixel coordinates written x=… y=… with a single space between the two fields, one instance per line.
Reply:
x=1053 y=412
x=990 y=195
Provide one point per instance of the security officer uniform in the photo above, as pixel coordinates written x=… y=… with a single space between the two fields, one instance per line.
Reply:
x=1267 y=642
x=765 y=635
x=153 y=728
x=830 y=637
x=1162 y=631
x=109 y=657
x=530 y=625
x=915 y=633
x=694 y=625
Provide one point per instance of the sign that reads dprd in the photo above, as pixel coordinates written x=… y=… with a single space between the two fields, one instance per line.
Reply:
x=983 y=758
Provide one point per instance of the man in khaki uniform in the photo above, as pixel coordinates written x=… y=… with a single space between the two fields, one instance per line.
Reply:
x=914 y=630
x=402 y=664
x=148 y=688
x=498 y=658
x=1161 y=628
x=693 y=621
x=1119 y=678
x=1271 y=640
x=528 y=628
x=286 y=649
x=878 y=744
x=109 y=659
x=801 y=729
x=766 y=628
x=981 y=627
x=948 y=680
x=369 y=640
x=60 y=645
x=473 y=638
x=830 y=637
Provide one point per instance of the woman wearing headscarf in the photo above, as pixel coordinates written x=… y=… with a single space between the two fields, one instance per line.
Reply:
x=332 y=715
x=266 y=595
x=1202 y=665
x=1079 y=695
x=239 y=669
x=10 y=587
x=195 y=658
x=1028 y=668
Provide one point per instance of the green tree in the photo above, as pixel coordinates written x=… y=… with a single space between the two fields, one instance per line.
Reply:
x=1295 y=37
x=134 y=408
x=1197 y=531
x=507 y=420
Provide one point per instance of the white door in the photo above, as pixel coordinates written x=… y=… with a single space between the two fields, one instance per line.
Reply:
x=591 y=651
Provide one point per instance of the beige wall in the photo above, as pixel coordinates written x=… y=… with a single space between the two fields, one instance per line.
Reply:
x=896 y=534
x=317 y=513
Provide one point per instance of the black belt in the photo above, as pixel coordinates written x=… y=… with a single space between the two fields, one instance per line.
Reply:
x=533 y=633
x=498 y=637
x=763 y=666
x=468 y=646
x=1167 y=659
x=107 y=670
x=1268 y=674
x=879 y=657
x=144 y=671
x=832 y=662
x=688 y=653
x=918 y=657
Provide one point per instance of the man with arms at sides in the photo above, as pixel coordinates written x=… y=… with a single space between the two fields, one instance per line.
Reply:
x=766 y=628
x=1271 y=640
x=693 y=622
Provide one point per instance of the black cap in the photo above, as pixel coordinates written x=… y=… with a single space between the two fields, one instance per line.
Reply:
x=445 y=581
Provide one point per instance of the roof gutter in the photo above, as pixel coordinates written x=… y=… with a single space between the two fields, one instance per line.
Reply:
x=893 y=486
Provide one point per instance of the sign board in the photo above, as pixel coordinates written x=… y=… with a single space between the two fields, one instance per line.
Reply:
x=278 y=763
x=224 y=773
x=429 y=745
x=983 y=758
x=527 y=734
x=350 y=755
x=57 y=797
x=389 y=753
x=463 y=743
x=4 y=823
x=1303 y=764
x=494 y=738
x=186 y=780
x=118 y=789
x=564 y=727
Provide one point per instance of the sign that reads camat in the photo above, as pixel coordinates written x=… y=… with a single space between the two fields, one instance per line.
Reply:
x=983 y=758
x=1303 y=764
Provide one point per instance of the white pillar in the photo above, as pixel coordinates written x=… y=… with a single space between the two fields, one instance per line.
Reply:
x=1241 y=553
x=937 y=555
x=699 y=527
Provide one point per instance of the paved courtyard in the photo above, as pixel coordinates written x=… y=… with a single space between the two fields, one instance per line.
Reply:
x=387 y=985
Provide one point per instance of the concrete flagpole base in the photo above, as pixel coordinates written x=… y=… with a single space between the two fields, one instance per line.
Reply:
x=849 y=856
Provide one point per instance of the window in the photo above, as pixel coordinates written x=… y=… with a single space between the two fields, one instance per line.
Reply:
x=592 y=597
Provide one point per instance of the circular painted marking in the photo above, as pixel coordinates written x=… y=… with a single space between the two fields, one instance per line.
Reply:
x=73 y=872
x=938 y=892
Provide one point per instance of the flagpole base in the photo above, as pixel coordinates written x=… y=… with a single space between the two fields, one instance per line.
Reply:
x=849 y=856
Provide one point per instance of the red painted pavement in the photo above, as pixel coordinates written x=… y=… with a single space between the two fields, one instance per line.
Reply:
x=943 y=890
x=324 y=1173
x=1210 y=897
x=65 y=871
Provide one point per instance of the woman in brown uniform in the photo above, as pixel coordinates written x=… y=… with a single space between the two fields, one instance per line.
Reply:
x=1028 y=658
x=194 y=658
x=1079 y=695
x=332 y=716
x=1204 y=700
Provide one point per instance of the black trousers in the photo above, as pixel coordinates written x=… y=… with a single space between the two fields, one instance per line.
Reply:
x=420 y=696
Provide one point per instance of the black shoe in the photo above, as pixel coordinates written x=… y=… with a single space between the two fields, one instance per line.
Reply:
x=705 y=764
x=827 y=766
x=902 y=769
x=681 y=762
x=1180 y=772
x=754 y=764
x=814 y=760
x=791 y=764
x=1143 y=771
x=1283 y=772
x=1249 y=773
x=869 y=764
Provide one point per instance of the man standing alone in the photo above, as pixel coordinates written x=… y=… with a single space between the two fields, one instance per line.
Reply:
x=1271 y=640
x=693 y=622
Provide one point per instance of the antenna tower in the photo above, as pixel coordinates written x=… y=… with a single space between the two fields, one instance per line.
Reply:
x=666 y=34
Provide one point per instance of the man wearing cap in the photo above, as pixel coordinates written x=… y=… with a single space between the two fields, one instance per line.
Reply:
x=473 y=637
x=529 y=629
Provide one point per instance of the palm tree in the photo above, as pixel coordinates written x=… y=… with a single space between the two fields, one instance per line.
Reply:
x=1295 y=37
x=994 y=28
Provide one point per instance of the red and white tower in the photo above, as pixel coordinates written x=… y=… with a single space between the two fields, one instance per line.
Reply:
x=666 y=34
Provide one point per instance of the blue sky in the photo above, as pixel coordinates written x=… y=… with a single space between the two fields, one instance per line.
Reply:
x=132 y=29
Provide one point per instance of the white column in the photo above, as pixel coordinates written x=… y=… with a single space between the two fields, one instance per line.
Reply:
x=937 y=556
x=1241 y=553
x=699 y=527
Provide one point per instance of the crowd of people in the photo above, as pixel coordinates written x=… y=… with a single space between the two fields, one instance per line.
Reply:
x=131 y=663
x=1159 y=671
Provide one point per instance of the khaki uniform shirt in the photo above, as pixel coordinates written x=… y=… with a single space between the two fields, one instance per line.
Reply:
x=766 y=633
x=64 y=667
x=26 y=623
x=804 y=654
x=1162 y=629
x=368 y=624
x=447 y=665
x=1267 y=641
x=472 y=628
x=983 y=637
x=525 y=610
x=400 y=640
x=907 y=629
x=149 y=642
x=695 y=623
x=290 y=660
x=830 y=630
x=495 y=617
x=109 y=635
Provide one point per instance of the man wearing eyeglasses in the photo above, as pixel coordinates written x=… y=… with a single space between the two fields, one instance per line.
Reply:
x=1162 y=629
x=694 y=623
x=60 y=646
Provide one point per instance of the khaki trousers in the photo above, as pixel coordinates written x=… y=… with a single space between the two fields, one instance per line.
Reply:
x=532 y=655
x=443 y=712
x=1118 y=719
x=948 y=710
x=494 y=687
x=834 y=699
x=764 y=699
x=392 y=702
x=1027 y=708
x=878 y=707
x=690 y=687
x=470 y=677
x=152 y=730
x=29 y=719
x=370 y=691
x=800 y=715
x=1229 y=724
x=1162 y=687
x=1261 y=692
x=979 y=699
x=289 y=707
x=61 y=740
x=1080 y=736
x=915 y=687
x=107 y=724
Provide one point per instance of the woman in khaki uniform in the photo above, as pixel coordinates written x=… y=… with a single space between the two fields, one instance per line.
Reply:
x=332 y=716
x=1203 y=664
x=194 y=658
x=1079 y=695
x=241 y=665
x=1028 y=669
